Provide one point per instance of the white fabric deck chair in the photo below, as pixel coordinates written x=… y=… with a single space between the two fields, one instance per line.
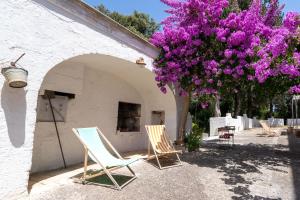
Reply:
x=267 y=129
x=94 y=141
x=160 y=143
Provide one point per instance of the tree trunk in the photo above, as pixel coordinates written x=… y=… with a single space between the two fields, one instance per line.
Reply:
x=217 y=106
x=237 y=105
x=235 y=6
x=271 y=107
x=183 y=119
x=249 y=103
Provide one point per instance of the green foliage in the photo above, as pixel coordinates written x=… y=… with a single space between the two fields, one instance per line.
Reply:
x=263 y=112
x=201 y=116
x=194 y=138
x=244 y=4
x=283 y=106
x=140 y=23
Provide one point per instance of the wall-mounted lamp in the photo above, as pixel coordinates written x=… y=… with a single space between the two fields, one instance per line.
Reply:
x=140 y=61
x=15 y=76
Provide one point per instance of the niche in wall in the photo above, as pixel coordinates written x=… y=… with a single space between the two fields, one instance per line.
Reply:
x=129 y=115
x=58 y=101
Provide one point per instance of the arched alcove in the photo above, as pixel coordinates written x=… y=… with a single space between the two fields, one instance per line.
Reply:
x=99 y=83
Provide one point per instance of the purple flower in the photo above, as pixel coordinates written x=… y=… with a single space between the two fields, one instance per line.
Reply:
x=295 y=89
x=166 y=48
x=292 y=21
x=219 y=83
x=296 y=57
x=204 y=105
x=290 y=70
x=228 y=53
x=237 y=38
x=250 y=77
x=163 y=89
x=210 y=81
x=227 y=71
x=202 y=47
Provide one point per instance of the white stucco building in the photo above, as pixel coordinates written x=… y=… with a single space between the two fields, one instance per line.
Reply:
x=71 y=49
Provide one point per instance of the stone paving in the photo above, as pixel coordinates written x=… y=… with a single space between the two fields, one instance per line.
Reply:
x=257 y=167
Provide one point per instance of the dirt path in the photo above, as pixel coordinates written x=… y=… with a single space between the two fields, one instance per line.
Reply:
x=258 y=167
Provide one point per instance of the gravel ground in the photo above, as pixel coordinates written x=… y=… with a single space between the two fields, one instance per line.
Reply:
x=257 y=167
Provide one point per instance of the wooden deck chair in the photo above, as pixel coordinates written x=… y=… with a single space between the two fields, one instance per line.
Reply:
x=267 y=129
x=94 y=142
x=160 y=143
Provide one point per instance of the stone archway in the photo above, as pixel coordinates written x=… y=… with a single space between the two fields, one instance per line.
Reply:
x=76 y=29
x=99 y=83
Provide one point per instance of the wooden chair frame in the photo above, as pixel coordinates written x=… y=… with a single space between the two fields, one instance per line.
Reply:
x=106 y=170
x=268 y=129
x=157 y=153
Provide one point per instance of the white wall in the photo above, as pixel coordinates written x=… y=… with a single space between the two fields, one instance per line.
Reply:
x=49 y=34
x=95 y=105
x=215 y=123
x=240 y=123
x=275 y=122
x=293 y=122
x=256 y=122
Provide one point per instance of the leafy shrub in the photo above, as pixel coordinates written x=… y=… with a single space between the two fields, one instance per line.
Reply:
x=193 y=139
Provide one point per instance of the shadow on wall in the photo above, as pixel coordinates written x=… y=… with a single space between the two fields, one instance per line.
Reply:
x=13 y=103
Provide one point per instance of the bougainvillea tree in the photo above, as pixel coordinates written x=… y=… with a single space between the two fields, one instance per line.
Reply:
x=206 y=49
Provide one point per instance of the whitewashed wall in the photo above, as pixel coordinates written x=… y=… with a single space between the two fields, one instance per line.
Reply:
x=255 y=122
x=233 y=122
x=95 y=105
x=215 y=123
x=49 y=32
x=293 y=122
x=240 y=123
x=275 y=122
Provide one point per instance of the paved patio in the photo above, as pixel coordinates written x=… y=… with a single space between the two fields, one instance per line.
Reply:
x=258 y=167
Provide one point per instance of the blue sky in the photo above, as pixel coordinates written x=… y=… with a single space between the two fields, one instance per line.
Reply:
x=152 y=7
x=156 y=9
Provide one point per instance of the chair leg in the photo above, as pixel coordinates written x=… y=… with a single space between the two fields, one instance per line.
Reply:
x=112 y=179
x=85 y=164
x=160 y=167
x=149 y=150
x=178 y=158
x=129 y=168
x=157 y=159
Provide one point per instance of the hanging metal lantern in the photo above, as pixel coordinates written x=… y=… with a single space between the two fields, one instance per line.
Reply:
x=15 y=76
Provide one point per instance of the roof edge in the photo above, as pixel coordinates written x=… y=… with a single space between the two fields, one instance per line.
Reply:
x=116 y=23
x=122 y=28
x=100 y=21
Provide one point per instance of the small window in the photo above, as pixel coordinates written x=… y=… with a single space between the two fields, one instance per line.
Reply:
x=129 y=115
x=158 y=117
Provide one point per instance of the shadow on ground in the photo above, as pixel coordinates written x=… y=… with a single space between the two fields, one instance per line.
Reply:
x=235 y=162
x=165 y=161
x=294 y=146
x=102 y=180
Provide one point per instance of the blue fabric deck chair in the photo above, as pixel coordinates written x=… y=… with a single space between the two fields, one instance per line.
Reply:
x=94 y=142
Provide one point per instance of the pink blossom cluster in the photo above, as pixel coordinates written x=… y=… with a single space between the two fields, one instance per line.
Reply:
x=203 y=48
x=295 y=89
